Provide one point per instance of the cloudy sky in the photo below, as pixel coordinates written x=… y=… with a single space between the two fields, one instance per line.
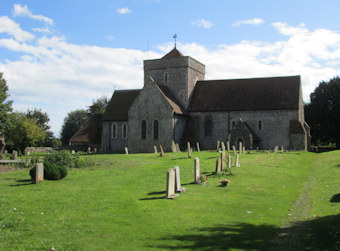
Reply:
x=60 y=55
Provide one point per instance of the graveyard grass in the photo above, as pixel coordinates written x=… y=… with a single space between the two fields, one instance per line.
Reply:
x=118 y=204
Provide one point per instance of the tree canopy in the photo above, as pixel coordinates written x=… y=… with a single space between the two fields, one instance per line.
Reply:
x=5 y=105
x=323 y=112
x=72 y=123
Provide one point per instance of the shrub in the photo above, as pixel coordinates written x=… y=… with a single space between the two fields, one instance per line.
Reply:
x=62 y=158
x=79 y=162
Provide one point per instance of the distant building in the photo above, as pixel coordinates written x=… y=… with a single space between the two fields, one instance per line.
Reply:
x=176 y=103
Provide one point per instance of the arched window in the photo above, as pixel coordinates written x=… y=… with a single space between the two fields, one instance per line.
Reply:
x=259 y=126
x=114 y=131
x=208 y=126
x=155 y=129
x=143 y=134
x=233 y=125
x=124 y=131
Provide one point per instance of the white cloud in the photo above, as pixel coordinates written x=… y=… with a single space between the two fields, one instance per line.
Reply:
x=23 y=11
x=202 y=23
x=254 y=21
x=8 y=26
x=45 y=30
x=123 y=11
x=59 y=77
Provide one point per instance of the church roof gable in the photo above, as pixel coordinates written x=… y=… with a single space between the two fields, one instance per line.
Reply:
x=276 y=93
x=119 y=105
x=169 y=96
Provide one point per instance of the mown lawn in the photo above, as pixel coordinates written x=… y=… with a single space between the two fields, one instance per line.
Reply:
x=118 y=204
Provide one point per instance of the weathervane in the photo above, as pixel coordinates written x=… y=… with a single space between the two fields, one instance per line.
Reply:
x=175 y=36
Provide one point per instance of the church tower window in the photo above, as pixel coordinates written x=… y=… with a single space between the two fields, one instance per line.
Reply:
x=208 y=126
x=233 y=125
x=143 y=134
x=155 y=129
x=124 y=131
x=259 y=125
x=114 y=131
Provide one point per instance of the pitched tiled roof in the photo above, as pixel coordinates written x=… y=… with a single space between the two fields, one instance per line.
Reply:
x=89 y=133
x=276 y=93
x=119 y=105
x=174 y=53
x=171 y=99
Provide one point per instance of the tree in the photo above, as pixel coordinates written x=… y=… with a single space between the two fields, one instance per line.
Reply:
x=72 y=123
x=323 y=112
x=99 y=106
x=5 y=106
x=23 y=132
x=42 y=119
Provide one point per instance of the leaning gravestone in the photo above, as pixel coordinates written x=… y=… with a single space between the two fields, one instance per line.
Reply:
x=228 y=146
x=196 y=170
x=198 y=147
x=177 y=148
x=173 y=146
x=126 y=151
x=218 y=145
x=39 y=172
x=234 y=150
x=218 y=165
x=170 y=184
x=237 y=163
x=162 y=152
x=223 y=146
x=189 y=149
x=155 y=149
x=178 y=187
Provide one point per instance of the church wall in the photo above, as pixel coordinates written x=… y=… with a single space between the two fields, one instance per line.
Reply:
x=148 y=106
x=275 y=126
x=110 y=143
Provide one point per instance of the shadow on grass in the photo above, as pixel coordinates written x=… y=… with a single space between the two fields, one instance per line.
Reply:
x=318 y=234
x=22 y=182
x=335 y=198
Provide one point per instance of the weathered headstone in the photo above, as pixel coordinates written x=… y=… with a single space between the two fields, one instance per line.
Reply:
x=267 y=152
x=223 y=155
x=177 y=148
x=126 y=151
x=39 y=172
x=257 y=149
x=237 y=163
x=6 y=151
x=170 y=184
x=15 y=155
x=234 y=150
x=218 y=165
x=73 y=152
x=282 y=149
x=196 y=170
x=178 y=187
x=155 y=149
x=162 y=152
x=2 y=145
x=240 y=147
x=95 y=150
x=173 y=146
x=229 y=162
x=244 y=149
x=189 y=149
x=228 y=146
x=275 y=149
x=89 y=150
x=223 y=146
x=218 y=145
x=198 y=147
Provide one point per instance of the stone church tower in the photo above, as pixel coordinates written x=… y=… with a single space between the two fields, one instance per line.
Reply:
x=177 y=72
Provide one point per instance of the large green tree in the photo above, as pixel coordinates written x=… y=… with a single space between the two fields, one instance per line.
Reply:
x=42 y=120
x=5 y=104
x=72 y=123
x=99 y=106
x=323 y=112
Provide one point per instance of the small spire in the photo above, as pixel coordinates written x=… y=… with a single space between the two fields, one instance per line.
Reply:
x=175 y=36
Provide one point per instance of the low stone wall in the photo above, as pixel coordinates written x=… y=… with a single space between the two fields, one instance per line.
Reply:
x=38 y=149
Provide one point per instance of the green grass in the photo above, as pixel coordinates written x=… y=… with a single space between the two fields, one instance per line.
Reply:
x=119 y=204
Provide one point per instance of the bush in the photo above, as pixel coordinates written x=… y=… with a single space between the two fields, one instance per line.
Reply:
x=79 y=162
x=62 y=158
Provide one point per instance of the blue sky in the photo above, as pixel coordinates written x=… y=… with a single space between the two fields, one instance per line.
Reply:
x=60 y=55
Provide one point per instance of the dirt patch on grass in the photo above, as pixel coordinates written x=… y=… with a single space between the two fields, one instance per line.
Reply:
x=8 y=168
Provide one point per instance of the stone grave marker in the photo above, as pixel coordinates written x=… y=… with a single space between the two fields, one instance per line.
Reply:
x=15 y=155
x=89 y=150
x=244 y=149
x=223 y=146
x=218 y=165
x=177 y=148
x=240 y=147
x=170 y=184
x=196 y=170
x=228 y=146
x=39 y=172
x=234 y=150
x=173 y=146
x=162 y=152
x=223 y=155
x=198 y=147
x=282 y=149
x=237 y=163
x=126 y=151
x=229 y=162
x=257 y=149
x=155 y=149
x=95 y=150
x=73 y=152
x=218 y=145
x=189 y=149
x=267 y=152
x=178 y=187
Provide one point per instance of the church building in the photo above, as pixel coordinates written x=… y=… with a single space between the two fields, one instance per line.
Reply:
x=177 y=103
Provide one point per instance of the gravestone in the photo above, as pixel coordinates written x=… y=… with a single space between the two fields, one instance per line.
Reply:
x=5 y=152
x=173 y=146
x=95 y=150
x=275 y=149
x=237 y=163
x=126 y=151
x=170 y=184
x=73 y=152
x=218 y=165
x=198 y=147
x=28 y=153
x=39 y=172
x=244 y=149
x=267 y=152
x=155 y=149
x=89 y=150
x=257 y=149
x=177 y=148
x=178 y=187
x=234 y=150
x=282 y=149
x=14 y=155
x=162 y=152
x=228 y=146
x=218 y=146
x=2 y=145
x=189 y=149
x=229 y=162
x=223 y=146
x=240 y=147
x=196 y=170
x=223 y=155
